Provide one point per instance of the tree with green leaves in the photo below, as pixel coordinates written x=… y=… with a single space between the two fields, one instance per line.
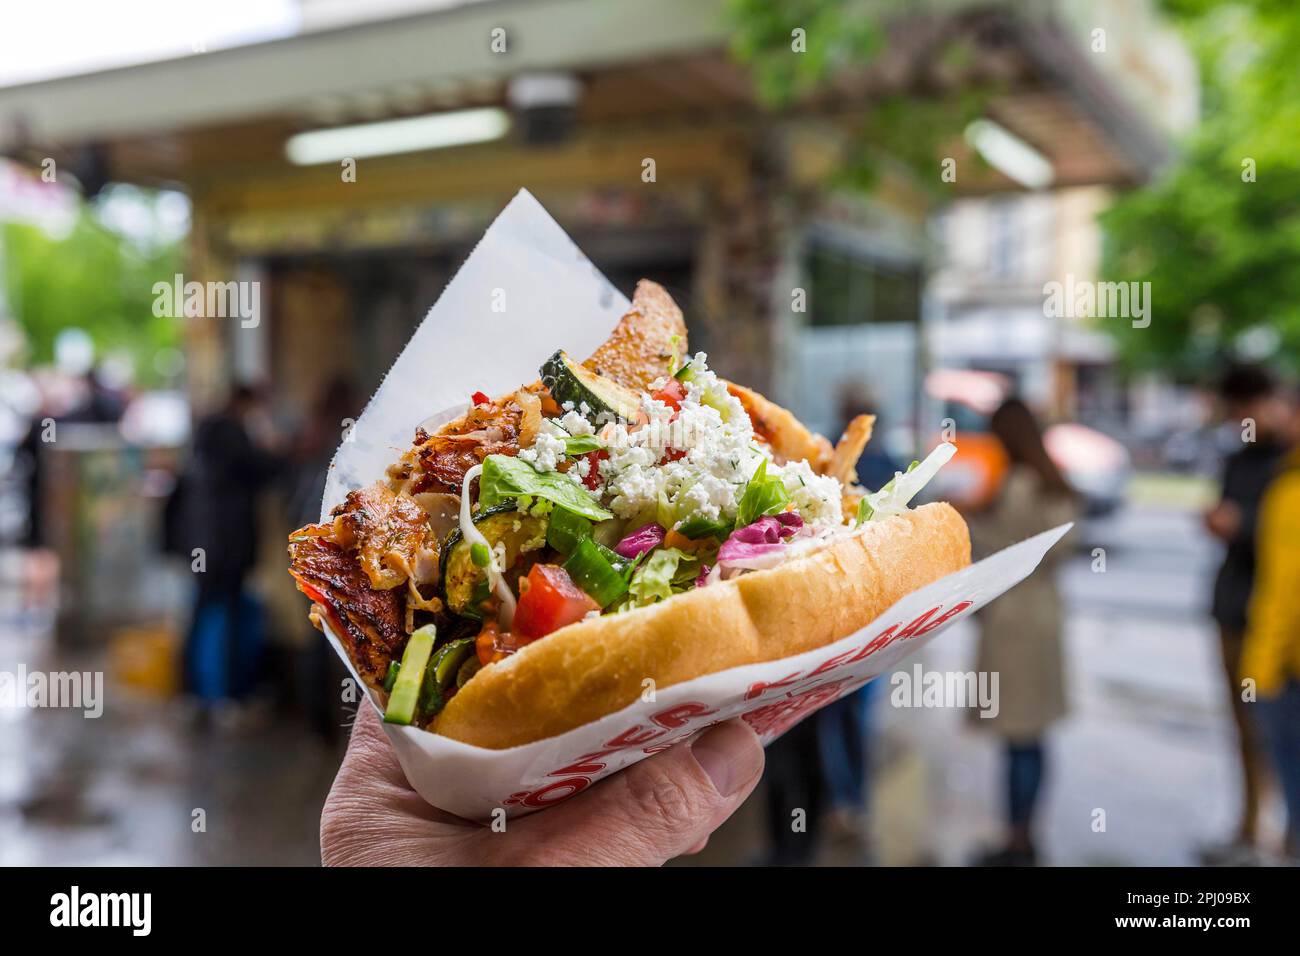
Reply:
x=1218 y=234
x=92 y=278
x=798 y=49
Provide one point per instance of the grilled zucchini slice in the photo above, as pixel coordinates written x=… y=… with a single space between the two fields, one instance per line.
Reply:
x=460 y=575
x=570 y=381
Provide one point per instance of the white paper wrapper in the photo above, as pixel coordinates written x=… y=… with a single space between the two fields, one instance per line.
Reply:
x=549 y=296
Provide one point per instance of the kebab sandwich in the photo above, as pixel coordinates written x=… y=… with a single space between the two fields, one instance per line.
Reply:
x=628 y=520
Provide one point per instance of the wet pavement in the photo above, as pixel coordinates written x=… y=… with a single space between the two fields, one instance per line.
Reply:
x=1149 y=741
x=146 y=783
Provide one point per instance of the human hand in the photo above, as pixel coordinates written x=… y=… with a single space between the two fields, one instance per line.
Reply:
x=660 y=808
x=1224 y=520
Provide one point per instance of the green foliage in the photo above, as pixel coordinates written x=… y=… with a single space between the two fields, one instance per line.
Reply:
x=843 y=36
x=93 y=279
x=836 y=36
x=1218 y=249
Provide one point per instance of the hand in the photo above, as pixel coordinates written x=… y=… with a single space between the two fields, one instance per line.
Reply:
x=1224 y=520
x=664 y=806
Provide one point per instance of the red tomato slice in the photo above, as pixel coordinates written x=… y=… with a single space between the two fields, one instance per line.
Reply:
x=549 y=602
x=480 y=399
x=672 y=394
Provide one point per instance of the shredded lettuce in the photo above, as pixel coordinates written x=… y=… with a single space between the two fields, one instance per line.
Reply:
x=697 y=526
x=763 y=496
x=666 y=572
x=893 y=498
x=505 y=477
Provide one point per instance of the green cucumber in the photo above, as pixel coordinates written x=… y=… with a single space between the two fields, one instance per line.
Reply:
x=570 y=381
x=598 y=571
x=410 y=678
x=467 y=670
x=449 y=658
x=440 y=674
x=567 y=530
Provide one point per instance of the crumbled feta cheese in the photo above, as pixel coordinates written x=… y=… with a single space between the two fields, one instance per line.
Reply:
x=674 y=465
x=817 y=498
x=575 y=424
x=710 y=439
x=547 y=452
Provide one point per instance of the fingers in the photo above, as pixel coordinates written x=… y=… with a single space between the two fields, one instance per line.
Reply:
x=657 y=809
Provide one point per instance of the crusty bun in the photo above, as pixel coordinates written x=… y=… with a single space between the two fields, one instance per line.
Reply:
x=587 y=670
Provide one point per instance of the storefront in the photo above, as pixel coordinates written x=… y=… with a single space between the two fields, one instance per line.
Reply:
x=660 y=160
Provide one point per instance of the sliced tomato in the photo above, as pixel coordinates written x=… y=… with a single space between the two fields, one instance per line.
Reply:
x=672 y=394
x=479 y=398
x=548 y=600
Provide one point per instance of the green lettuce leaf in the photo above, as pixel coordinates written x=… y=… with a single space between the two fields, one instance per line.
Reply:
x=763 y=496
x=505 y=477
x=575 y=445
x=894 y=497
x=666 y=572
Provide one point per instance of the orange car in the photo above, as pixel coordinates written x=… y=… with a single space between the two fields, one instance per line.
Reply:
x=1093 y=462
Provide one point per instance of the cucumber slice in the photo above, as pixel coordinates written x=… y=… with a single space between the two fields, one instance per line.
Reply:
x=592 y=569
x=406 y=689
x=449 y=658
x=460 y=575
x=438 y=676
x=467 y=670
x=567 y=530
x=570 y=381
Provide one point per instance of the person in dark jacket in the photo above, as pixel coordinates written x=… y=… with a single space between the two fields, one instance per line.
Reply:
x=227 y=474
x=1253 y=402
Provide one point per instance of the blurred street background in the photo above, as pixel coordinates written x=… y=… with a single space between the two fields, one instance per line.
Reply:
x=921 y=209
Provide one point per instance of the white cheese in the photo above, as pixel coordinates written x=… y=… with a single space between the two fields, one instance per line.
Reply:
x=817 y=498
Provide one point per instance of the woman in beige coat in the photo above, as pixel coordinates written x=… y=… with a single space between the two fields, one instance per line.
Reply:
x=1020 y=632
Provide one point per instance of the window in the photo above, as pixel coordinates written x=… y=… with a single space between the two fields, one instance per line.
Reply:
x=847 y=288
x=1004 y=251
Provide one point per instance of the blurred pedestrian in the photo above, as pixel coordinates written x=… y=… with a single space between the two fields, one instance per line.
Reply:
x=220 y=498
x=1020 y=632
x=1270 y=653
x=96 y=404
x=1251 y=397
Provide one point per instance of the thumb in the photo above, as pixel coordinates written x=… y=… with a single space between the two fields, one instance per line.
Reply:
x=654 y=810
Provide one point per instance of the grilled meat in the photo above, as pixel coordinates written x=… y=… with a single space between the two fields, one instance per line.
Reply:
x=369 y=621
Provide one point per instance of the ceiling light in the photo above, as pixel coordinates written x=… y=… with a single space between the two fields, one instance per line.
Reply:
x=1009 y=154
x=385 y=138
